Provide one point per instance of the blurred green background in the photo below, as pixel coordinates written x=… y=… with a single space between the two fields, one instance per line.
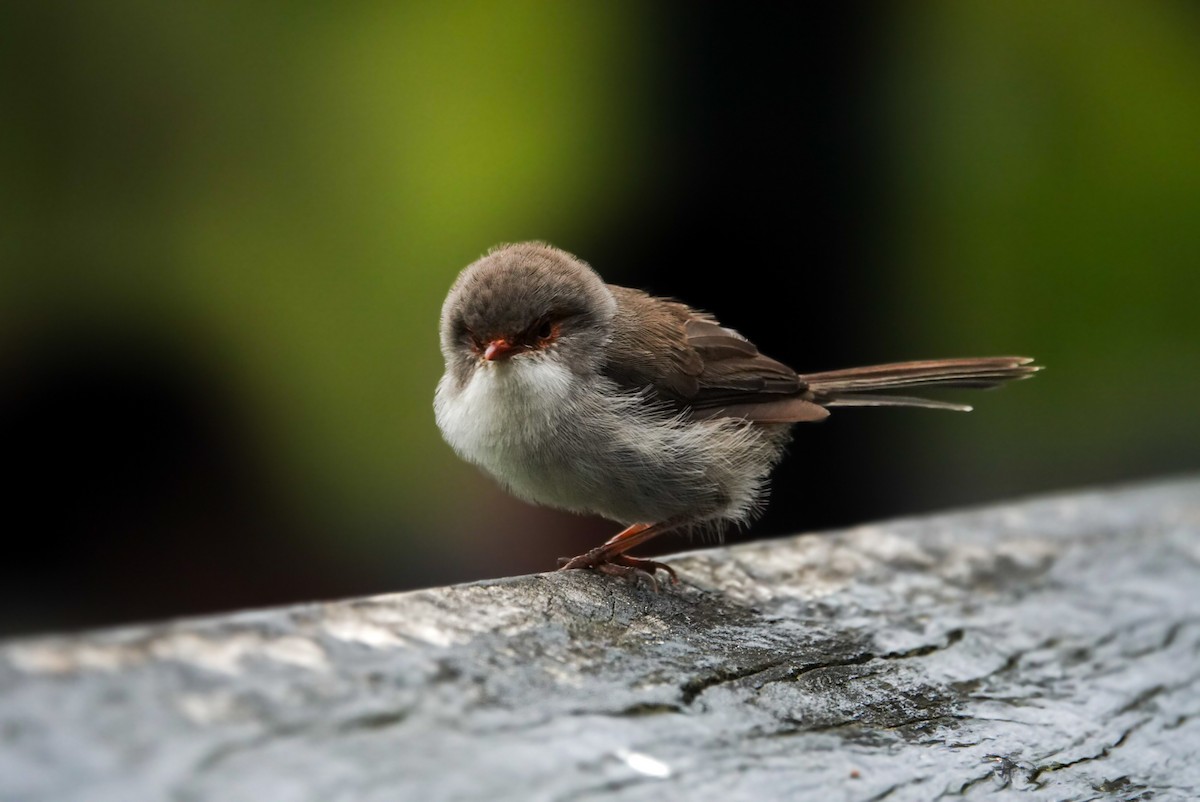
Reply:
x=226 y=230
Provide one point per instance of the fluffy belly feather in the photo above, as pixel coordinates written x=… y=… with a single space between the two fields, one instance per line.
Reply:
x=523 y=422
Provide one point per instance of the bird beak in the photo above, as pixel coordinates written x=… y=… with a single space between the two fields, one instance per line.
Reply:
x=498 y=349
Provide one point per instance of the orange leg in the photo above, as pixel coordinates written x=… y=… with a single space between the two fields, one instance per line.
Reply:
x=633 y=529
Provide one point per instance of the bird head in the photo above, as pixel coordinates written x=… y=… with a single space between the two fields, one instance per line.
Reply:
x=525 y=303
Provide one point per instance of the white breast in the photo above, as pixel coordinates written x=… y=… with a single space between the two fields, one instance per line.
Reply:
x=505 y=420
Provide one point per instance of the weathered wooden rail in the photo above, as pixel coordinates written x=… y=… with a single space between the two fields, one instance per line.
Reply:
x=1048 y=649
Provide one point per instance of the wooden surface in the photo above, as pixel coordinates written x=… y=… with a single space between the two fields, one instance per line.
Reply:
x=1046 y=649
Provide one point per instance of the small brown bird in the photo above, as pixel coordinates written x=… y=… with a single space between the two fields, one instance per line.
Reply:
x=599 y=399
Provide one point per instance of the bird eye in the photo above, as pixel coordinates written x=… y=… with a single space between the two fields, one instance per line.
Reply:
x=544 y=330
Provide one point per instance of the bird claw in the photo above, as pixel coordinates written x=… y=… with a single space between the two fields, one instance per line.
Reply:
x=619 y=565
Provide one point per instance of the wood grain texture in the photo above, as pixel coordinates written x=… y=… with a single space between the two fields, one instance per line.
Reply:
x=1045 y=650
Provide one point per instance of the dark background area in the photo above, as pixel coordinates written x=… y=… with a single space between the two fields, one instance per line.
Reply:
x=226 y=231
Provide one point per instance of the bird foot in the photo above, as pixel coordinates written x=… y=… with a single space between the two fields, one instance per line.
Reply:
x=619 y=565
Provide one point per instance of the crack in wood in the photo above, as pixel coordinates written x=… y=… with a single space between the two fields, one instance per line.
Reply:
x=692 y=689
x=1038 y=771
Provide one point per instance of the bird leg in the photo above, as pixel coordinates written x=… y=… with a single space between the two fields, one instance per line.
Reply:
x=610 y=557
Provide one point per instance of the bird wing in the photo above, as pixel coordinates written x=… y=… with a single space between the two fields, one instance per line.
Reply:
x=688 y=359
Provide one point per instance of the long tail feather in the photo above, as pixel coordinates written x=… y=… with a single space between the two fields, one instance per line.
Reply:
x=852 y=386
x=848 y=400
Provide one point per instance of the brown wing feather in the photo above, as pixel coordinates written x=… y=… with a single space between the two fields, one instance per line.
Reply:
x=712 y=370
x=648 y=349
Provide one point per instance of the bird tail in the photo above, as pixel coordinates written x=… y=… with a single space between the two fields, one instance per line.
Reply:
x=857 y=387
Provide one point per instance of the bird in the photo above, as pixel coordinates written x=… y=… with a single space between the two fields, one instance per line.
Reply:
x=605 y=400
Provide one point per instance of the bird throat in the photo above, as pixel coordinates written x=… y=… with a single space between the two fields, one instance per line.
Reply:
x=506 y=409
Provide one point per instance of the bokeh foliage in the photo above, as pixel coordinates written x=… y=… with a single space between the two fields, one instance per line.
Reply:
x=278 y=195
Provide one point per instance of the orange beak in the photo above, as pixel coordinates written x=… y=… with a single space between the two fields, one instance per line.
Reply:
x=499 y=348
